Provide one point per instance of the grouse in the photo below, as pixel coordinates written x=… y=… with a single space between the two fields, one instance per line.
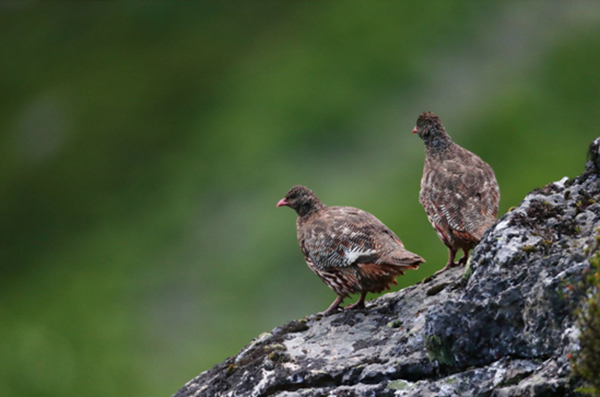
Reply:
x=459 y=191
x=349 y=249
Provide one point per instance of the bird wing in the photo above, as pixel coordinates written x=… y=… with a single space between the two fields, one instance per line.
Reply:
x=460 y=193
x=342 y=237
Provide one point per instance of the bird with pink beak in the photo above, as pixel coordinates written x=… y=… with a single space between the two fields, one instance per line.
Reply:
x=351 y=250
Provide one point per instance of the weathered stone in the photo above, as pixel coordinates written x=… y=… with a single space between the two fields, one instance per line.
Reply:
x=504 y=329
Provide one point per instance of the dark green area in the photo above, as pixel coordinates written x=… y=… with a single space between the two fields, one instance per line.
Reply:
x=144 y=146
x=439 y=352
x=586 y=360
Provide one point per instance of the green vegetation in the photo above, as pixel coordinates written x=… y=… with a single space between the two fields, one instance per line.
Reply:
x=144 y=146
x=398 y=385
x=586 y=362
x=468 y=270
x=439 y=351
x=529 y=249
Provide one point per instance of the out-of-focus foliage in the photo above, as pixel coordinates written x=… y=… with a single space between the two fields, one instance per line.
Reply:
x=586 y=362
x=144 y=146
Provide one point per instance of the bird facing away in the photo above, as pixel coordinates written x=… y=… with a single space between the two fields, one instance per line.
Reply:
x=459 y=191
x=349 y=249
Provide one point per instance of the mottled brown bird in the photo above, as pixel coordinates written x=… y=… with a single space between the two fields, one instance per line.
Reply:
x=349 y=249
x=459 y=191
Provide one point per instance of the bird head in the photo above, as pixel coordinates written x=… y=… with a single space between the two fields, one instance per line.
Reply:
x=430 y=129
x=301 y=199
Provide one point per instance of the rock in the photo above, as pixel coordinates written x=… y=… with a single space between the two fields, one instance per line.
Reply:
x=503 y=328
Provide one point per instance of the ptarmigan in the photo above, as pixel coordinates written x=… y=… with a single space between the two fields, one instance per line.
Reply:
x=349 y=249
x=459 y=191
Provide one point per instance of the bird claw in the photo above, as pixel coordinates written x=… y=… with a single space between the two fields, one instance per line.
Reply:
x=330 y=311
x=448 y=266
x=357 y=305
x=333 y=307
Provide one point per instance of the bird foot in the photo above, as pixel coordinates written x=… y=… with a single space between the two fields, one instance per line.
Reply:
x=448 y=266
x=358 y=305
x=330 y=311
x=334 y=306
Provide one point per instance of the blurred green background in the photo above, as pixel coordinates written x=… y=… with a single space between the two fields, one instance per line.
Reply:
x=144 y=146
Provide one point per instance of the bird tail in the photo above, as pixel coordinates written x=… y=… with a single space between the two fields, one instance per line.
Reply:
x=378 y=277
x=404 y=259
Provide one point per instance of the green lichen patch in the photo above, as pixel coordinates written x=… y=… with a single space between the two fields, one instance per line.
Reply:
x=398 y=385
x=395 y=324
x=586 y=362
x=468 y=270
x=529 y=249
x=439 y=351
x=279 y=356
x=436 y=289
x=275 y=347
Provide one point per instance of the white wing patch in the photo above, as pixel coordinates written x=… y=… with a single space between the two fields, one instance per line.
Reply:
x=352 y=254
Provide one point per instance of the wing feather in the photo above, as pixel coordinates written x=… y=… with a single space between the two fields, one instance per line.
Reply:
x=346 y=236
x=460 y=193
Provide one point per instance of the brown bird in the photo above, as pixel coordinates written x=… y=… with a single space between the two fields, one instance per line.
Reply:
x=348 y=248
x=459 y=191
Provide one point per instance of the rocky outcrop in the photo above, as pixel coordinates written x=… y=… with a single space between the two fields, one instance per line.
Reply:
x=504 y=326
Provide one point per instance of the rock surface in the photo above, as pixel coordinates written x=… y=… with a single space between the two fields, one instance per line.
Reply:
x=504 y=326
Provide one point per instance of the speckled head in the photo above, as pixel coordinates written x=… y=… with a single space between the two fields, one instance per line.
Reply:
x=301 y=199
x=431 y=131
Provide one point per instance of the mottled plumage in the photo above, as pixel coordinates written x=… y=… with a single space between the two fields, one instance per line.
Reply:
x=349 y=249
x=459 y=191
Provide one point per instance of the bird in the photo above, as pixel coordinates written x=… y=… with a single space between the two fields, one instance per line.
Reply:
x=459 y=191
x=349 y=249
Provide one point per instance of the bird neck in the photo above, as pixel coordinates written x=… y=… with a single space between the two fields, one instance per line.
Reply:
x=309 y=208
x=438 y=144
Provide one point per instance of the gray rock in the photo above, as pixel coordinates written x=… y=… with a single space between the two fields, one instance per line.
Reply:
x=503 y=328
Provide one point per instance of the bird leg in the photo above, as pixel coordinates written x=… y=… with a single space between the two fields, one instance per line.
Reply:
x=333 y=306
x=462 y=261
x=450 y=264
x=360 y=304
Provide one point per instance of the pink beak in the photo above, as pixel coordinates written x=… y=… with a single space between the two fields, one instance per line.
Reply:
x=281 y=203
x=415 y=130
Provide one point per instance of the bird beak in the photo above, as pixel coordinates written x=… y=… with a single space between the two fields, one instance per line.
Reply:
x=415 y=130
x=282 y=202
